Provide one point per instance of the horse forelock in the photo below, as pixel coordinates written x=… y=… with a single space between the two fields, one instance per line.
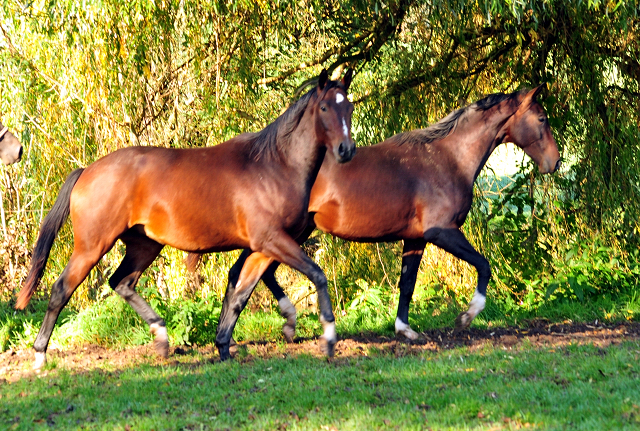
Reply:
x=447 y=125
x=267 y=143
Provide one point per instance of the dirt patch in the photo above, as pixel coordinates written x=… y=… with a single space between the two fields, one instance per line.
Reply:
x=17 y=364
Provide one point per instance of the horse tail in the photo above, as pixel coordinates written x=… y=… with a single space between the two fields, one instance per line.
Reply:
x=192 y=261
x=48 y=231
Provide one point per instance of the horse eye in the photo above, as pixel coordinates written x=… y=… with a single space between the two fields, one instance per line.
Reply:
x=541 y=119
x=323 y=108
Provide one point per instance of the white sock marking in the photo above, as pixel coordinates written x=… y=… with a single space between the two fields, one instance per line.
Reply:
x=339 y=98
x=160 y=332
x=404 y=329
x=329 y=330
x=41 y=359
x=476 y=305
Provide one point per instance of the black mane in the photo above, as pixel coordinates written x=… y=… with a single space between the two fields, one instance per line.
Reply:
x=444 y=127
x=269 y=141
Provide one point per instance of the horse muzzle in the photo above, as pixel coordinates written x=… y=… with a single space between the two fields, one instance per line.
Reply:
x=10 y=148
x=558 y=164
x=345 y=151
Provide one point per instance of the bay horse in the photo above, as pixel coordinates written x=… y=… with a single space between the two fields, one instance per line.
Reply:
x=418 y=187
x=10 y=146
x=249 y=192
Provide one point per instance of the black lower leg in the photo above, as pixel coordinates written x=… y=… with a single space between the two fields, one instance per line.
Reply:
x=454 y=242
x=233 y=304
x=269 y=279
x=231 y=307
x=407 y=284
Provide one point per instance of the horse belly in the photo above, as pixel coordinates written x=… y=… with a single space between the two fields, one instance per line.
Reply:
x=369 y=223
x=212 y=231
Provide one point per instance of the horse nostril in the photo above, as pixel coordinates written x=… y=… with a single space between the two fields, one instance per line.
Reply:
x=20 y=153
x=342 y=149
x=558 y=163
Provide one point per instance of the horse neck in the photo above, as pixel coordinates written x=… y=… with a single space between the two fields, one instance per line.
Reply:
x=480 y=134
x=303 y=154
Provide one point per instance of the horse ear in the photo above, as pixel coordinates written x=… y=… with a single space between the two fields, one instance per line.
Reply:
x=346 y=81
x=538 y=90
x=530 y=96
x=322 y=79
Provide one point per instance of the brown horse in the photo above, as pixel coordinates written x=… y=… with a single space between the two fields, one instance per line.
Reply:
x=10 y=147
x=418 y=187
x=249 y=192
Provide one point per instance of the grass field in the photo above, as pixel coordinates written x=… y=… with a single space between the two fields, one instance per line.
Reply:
x=487 y=387
x=568 y=383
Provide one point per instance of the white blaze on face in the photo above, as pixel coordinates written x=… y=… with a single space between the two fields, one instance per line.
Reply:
x=339 y=98
x=345 y=130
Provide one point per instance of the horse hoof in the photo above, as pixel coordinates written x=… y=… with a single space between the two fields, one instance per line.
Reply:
x=327 y=347
x=409 y=334
x=225 y=355
x=289 y=332
x=404 y=329
x=462 y=322
x=41 y=360
x=161 y=340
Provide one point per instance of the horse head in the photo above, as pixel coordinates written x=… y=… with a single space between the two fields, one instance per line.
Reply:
x=529 y=129
x=333 y=116
x=10 y=147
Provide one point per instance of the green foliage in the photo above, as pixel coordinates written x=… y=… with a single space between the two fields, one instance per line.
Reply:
x=81 y=79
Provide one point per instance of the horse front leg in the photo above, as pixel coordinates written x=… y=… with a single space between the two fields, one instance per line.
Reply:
x=454 y=242
x=412 y=251
x=287 y=309
x=287 y=251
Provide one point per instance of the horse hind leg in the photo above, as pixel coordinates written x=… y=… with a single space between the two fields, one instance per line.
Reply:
x=140 y=253
x=454 y=242
x=287 y=309
x=73 y=274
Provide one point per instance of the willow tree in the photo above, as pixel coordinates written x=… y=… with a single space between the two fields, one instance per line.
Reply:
x=81 y=79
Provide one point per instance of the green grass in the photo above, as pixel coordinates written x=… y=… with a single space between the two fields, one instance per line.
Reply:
x=575 y=387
